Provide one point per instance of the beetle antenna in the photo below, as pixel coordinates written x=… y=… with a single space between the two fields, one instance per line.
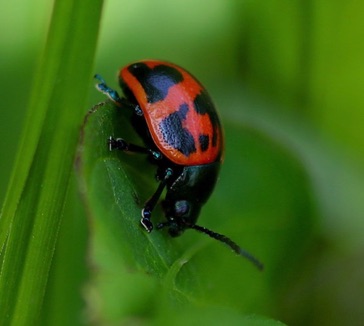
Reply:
x=222 y=238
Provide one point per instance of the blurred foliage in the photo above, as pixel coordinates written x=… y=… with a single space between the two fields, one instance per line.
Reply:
x=286 y=76
x=31 y=214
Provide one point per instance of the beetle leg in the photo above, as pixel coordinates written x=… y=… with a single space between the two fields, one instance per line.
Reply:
x=114 y=96
x=150 y=204
x=109 y=92
x=122 y=145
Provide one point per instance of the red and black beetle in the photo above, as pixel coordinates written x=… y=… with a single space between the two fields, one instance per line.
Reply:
x=182 y=132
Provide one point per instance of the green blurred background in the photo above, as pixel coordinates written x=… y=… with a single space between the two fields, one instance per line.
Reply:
x=287 y=77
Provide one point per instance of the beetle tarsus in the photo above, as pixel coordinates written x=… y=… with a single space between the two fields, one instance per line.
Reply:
x=117 y=143
x=145 y=220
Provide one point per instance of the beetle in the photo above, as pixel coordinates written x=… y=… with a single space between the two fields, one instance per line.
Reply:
x=182 y=133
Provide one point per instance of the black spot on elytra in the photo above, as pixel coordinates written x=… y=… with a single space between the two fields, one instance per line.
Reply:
x=156 y=81
x=203 y=105
x=204 y=142
x=174 y=134
x=182 y=111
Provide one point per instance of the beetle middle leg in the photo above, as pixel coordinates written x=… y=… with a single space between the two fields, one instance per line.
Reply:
x=121 y=144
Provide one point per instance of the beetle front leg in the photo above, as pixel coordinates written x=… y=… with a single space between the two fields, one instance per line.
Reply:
x=114 y=96
x=150 y=204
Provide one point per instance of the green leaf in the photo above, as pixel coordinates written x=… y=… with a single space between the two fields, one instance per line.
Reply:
x=113 y=198
x=140 y=271
x=114 y=191
x=212 y=315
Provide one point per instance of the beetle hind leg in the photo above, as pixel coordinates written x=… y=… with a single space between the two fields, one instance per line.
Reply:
x=150 y=204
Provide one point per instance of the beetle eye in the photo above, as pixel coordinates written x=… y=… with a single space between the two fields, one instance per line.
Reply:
x=181 y=207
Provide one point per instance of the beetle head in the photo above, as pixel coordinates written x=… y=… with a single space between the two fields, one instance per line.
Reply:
x=181 y=214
